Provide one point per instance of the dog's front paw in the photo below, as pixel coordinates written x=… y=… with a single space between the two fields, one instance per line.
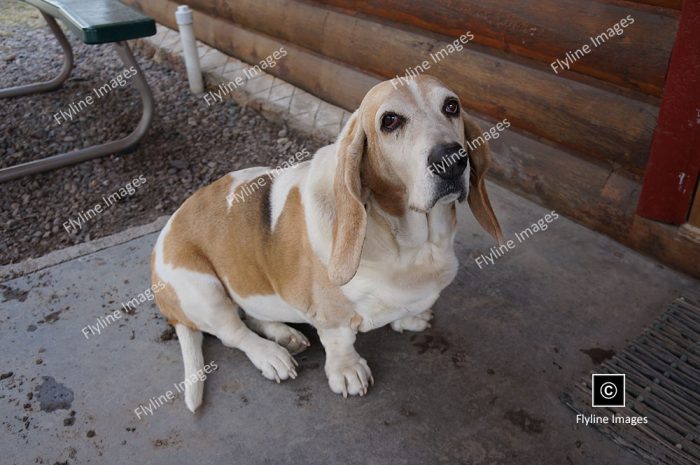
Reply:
x=272 y=360
x=420 y=322
x=351 y=376
x=291 y=339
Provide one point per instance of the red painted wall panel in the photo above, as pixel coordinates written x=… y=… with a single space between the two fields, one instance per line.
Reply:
x=671 y=175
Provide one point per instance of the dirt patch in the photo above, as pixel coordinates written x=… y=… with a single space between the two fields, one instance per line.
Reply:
x=525 y=421
x=303 y=396
x=17 y=13
x=51 y=317
x=10 y=293
x=168 y=334
x=427 y=342
x=598 y=355
x=166 y=442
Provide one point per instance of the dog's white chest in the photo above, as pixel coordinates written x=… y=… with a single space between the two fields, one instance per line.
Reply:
x=384 y=292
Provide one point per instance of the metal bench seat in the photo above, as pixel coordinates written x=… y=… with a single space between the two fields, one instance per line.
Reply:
x=98 y=21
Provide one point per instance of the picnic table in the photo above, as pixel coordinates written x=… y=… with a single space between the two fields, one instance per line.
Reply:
x=93 y=22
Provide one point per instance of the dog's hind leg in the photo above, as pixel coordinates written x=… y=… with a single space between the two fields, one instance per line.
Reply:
x=419 y=322
x=202 y=300
x=286 y=336
x=273 y=360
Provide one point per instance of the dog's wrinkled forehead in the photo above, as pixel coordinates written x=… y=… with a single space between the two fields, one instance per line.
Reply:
x=420 y=93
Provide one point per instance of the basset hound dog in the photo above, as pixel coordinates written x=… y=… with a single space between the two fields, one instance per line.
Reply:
x=359 y=237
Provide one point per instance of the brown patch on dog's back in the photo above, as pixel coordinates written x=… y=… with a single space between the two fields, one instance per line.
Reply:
x=236 y=244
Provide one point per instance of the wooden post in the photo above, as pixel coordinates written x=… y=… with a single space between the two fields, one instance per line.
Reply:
x=694 y=219
x=671 y=175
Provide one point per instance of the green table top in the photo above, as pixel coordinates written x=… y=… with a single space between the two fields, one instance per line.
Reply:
x=98 y=21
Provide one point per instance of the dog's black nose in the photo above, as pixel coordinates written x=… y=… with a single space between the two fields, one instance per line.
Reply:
x=448 y=160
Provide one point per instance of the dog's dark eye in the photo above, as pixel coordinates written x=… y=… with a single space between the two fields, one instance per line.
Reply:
x=451 y=107
x=391 y=121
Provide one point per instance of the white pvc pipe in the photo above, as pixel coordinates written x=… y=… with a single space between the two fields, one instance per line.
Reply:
x=183 y=15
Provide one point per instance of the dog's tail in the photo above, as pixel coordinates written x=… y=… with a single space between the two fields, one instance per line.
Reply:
x=191 y=346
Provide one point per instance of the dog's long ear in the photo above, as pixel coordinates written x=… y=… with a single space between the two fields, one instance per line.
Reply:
x=350 y=223
x=480 y=160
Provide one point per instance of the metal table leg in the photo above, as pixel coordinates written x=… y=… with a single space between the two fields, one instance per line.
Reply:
x=121 y=145
x=54 y=83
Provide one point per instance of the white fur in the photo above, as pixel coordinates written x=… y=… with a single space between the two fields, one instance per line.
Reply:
x=269 y=308
x=191 y=347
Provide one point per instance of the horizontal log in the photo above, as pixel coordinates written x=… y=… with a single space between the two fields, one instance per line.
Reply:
x=672 y=4
x=544 y=30
x=595 y=195
x=581 y=117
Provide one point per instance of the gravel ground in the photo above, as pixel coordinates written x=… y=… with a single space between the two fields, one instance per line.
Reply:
x=188 y=145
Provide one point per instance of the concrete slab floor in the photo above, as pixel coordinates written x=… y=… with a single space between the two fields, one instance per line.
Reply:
x=481 y=386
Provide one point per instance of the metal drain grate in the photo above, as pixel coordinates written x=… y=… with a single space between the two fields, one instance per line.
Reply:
x=662 y=371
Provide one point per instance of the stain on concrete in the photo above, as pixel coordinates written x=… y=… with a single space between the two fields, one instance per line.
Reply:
x=427 y=342
x=311 y=365
x=70 y=421
x=166 y=442
x=458 y=359
x=167 y=334
x=231 y=386
x=598 y=355
x=51 y=317
x=31 y=328
x=53 y=395
x=303 y=396
x=10 y=293
x=525 y=421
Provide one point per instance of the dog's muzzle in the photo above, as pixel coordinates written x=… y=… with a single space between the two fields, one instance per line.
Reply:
x=447 y=163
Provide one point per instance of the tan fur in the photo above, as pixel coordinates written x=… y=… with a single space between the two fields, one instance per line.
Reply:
x=389 y=193
x=478 y=197
x=377 y=174
x=350 y=221
x=237 y=246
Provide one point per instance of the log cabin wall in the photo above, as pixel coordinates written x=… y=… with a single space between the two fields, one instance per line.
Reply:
x=579 y=139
